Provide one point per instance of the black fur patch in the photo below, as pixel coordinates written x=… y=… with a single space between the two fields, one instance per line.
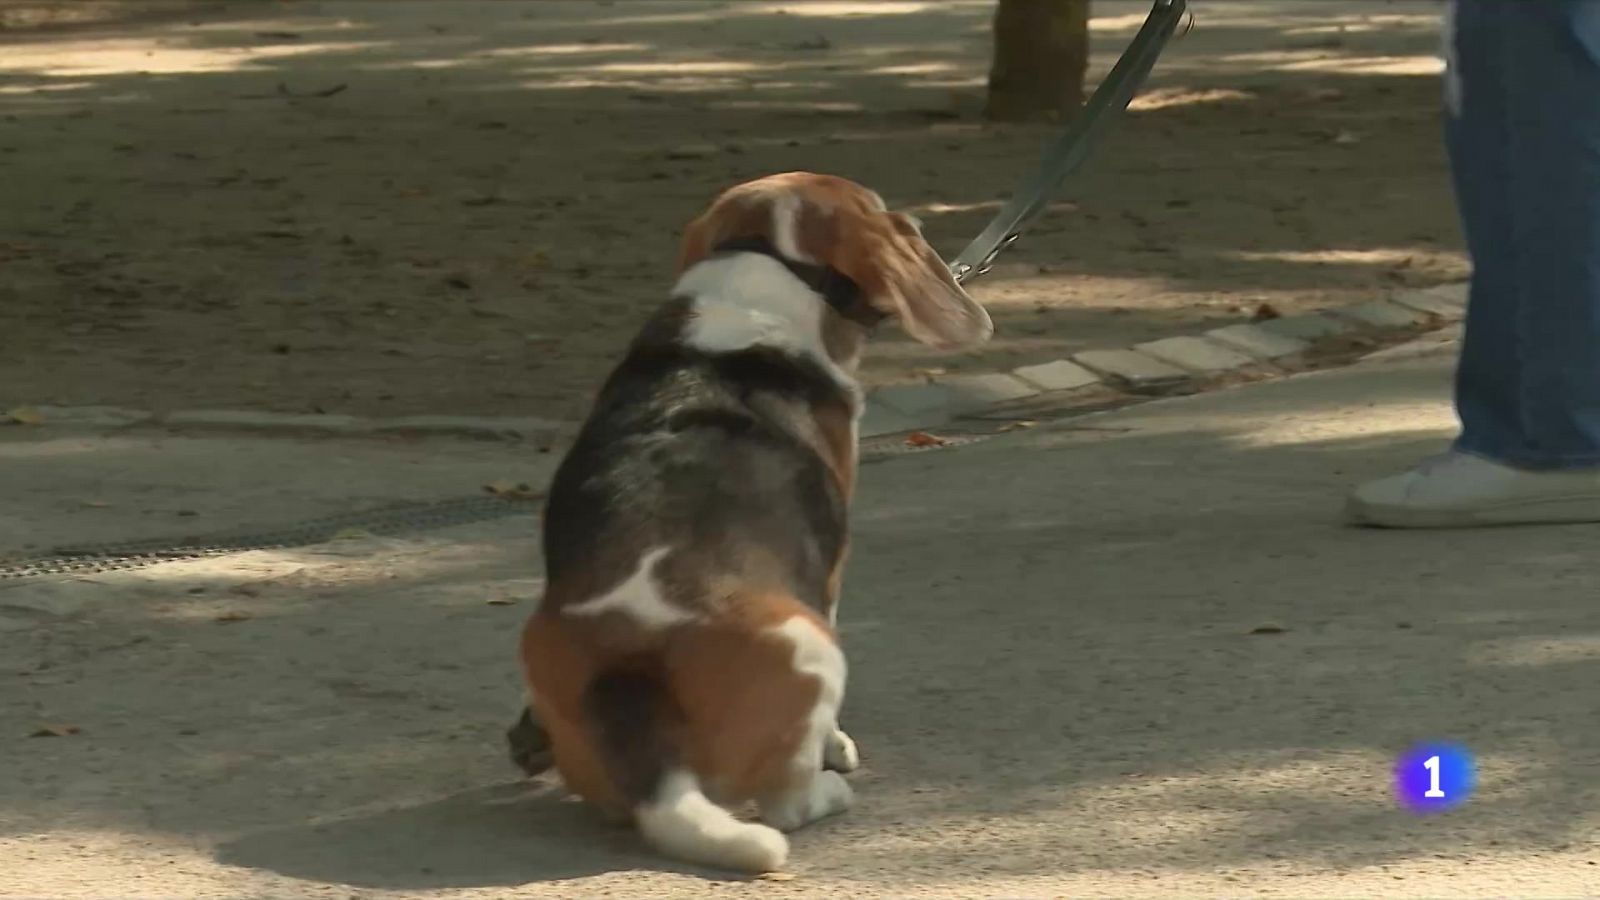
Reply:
x=627 y=709
x=687 y=449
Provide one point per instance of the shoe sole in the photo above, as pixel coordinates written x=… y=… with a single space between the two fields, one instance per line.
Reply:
x=1562 y=511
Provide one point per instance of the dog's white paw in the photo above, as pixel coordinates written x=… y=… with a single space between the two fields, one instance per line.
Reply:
x=826 y=794
x=839 y=753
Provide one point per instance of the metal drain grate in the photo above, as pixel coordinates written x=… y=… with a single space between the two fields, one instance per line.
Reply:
x=387 y=521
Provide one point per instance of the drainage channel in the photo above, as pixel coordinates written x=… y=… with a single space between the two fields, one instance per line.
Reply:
x=394 y=520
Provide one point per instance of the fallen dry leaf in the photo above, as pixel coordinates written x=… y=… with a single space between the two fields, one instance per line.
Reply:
x=519 y=490
x=25 y=415
x=692 y=151
x=55 y=731
x=924 y=439
x=1265 y=312
x=283 y=90
x=234 y=616
x=819 y=42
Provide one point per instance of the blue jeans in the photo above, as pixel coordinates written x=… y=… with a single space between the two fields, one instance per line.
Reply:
x=1523 y=130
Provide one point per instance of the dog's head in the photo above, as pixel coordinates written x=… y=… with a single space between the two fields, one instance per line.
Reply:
x=834 y=222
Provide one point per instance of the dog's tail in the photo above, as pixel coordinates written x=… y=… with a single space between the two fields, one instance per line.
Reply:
x=629 y=711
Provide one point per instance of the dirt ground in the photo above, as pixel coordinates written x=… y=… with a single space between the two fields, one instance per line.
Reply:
x=466 y=207
x=36 y=15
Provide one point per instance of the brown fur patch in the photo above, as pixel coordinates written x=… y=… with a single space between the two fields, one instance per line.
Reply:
x=740 y=709
x=746 y=709
x=558 y=667
x=732 y=215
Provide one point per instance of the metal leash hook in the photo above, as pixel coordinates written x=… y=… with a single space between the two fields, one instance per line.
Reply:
x=1069 y=150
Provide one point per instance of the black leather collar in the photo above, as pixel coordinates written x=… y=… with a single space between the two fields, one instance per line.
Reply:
x=840 y=292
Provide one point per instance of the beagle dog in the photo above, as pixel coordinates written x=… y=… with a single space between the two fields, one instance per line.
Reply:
x=683 y=659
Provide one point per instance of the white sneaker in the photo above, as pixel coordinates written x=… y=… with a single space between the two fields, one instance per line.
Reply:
x=1459 y=490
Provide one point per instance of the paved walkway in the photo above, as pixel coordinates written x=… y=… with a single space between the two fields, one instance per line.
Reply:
x=1056 y=683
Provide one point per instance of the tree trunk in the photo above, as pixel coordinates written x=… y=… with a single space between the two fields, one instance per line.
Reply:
x=1041 y=53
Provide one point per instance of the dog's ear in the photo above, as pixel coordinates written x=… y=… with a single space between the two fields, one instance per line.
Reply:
x=902 y=276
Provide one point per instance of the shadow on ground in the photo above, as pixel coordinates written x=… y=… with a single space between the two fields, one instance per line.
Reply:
x=490 y=837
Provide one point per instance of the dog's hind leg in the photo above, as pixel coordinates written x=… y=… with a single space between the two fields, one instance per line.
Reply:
x=809 y=793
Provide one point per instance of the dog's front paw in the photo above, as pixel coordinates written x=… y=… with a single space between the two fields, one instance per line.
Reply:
x=826 y=794
x=839 y=753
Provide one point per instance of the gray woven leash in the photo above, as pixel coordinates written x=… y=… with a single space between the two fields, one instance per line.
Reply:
x=1072 y=147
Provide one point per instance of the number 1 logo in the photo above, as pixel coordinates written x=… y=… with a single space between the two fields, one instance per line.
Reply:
x=1433 y=777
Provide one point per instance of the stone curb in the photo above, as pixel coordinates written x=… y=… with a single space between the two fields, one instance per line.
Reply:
x=1168 y=366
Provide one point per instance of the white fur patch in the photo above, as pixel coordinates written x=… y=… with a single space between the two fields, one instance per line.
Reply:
x=681 y=822
x=816 y=793
x=785 y=221
x=748 y=300
x=639 y=597
x=825 y=794
x=816 y=654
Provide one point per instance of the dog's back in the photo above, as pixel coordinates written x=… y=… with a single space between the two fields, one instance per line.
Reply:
x=683 y=658
x=690 y=537
x=710 y=454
